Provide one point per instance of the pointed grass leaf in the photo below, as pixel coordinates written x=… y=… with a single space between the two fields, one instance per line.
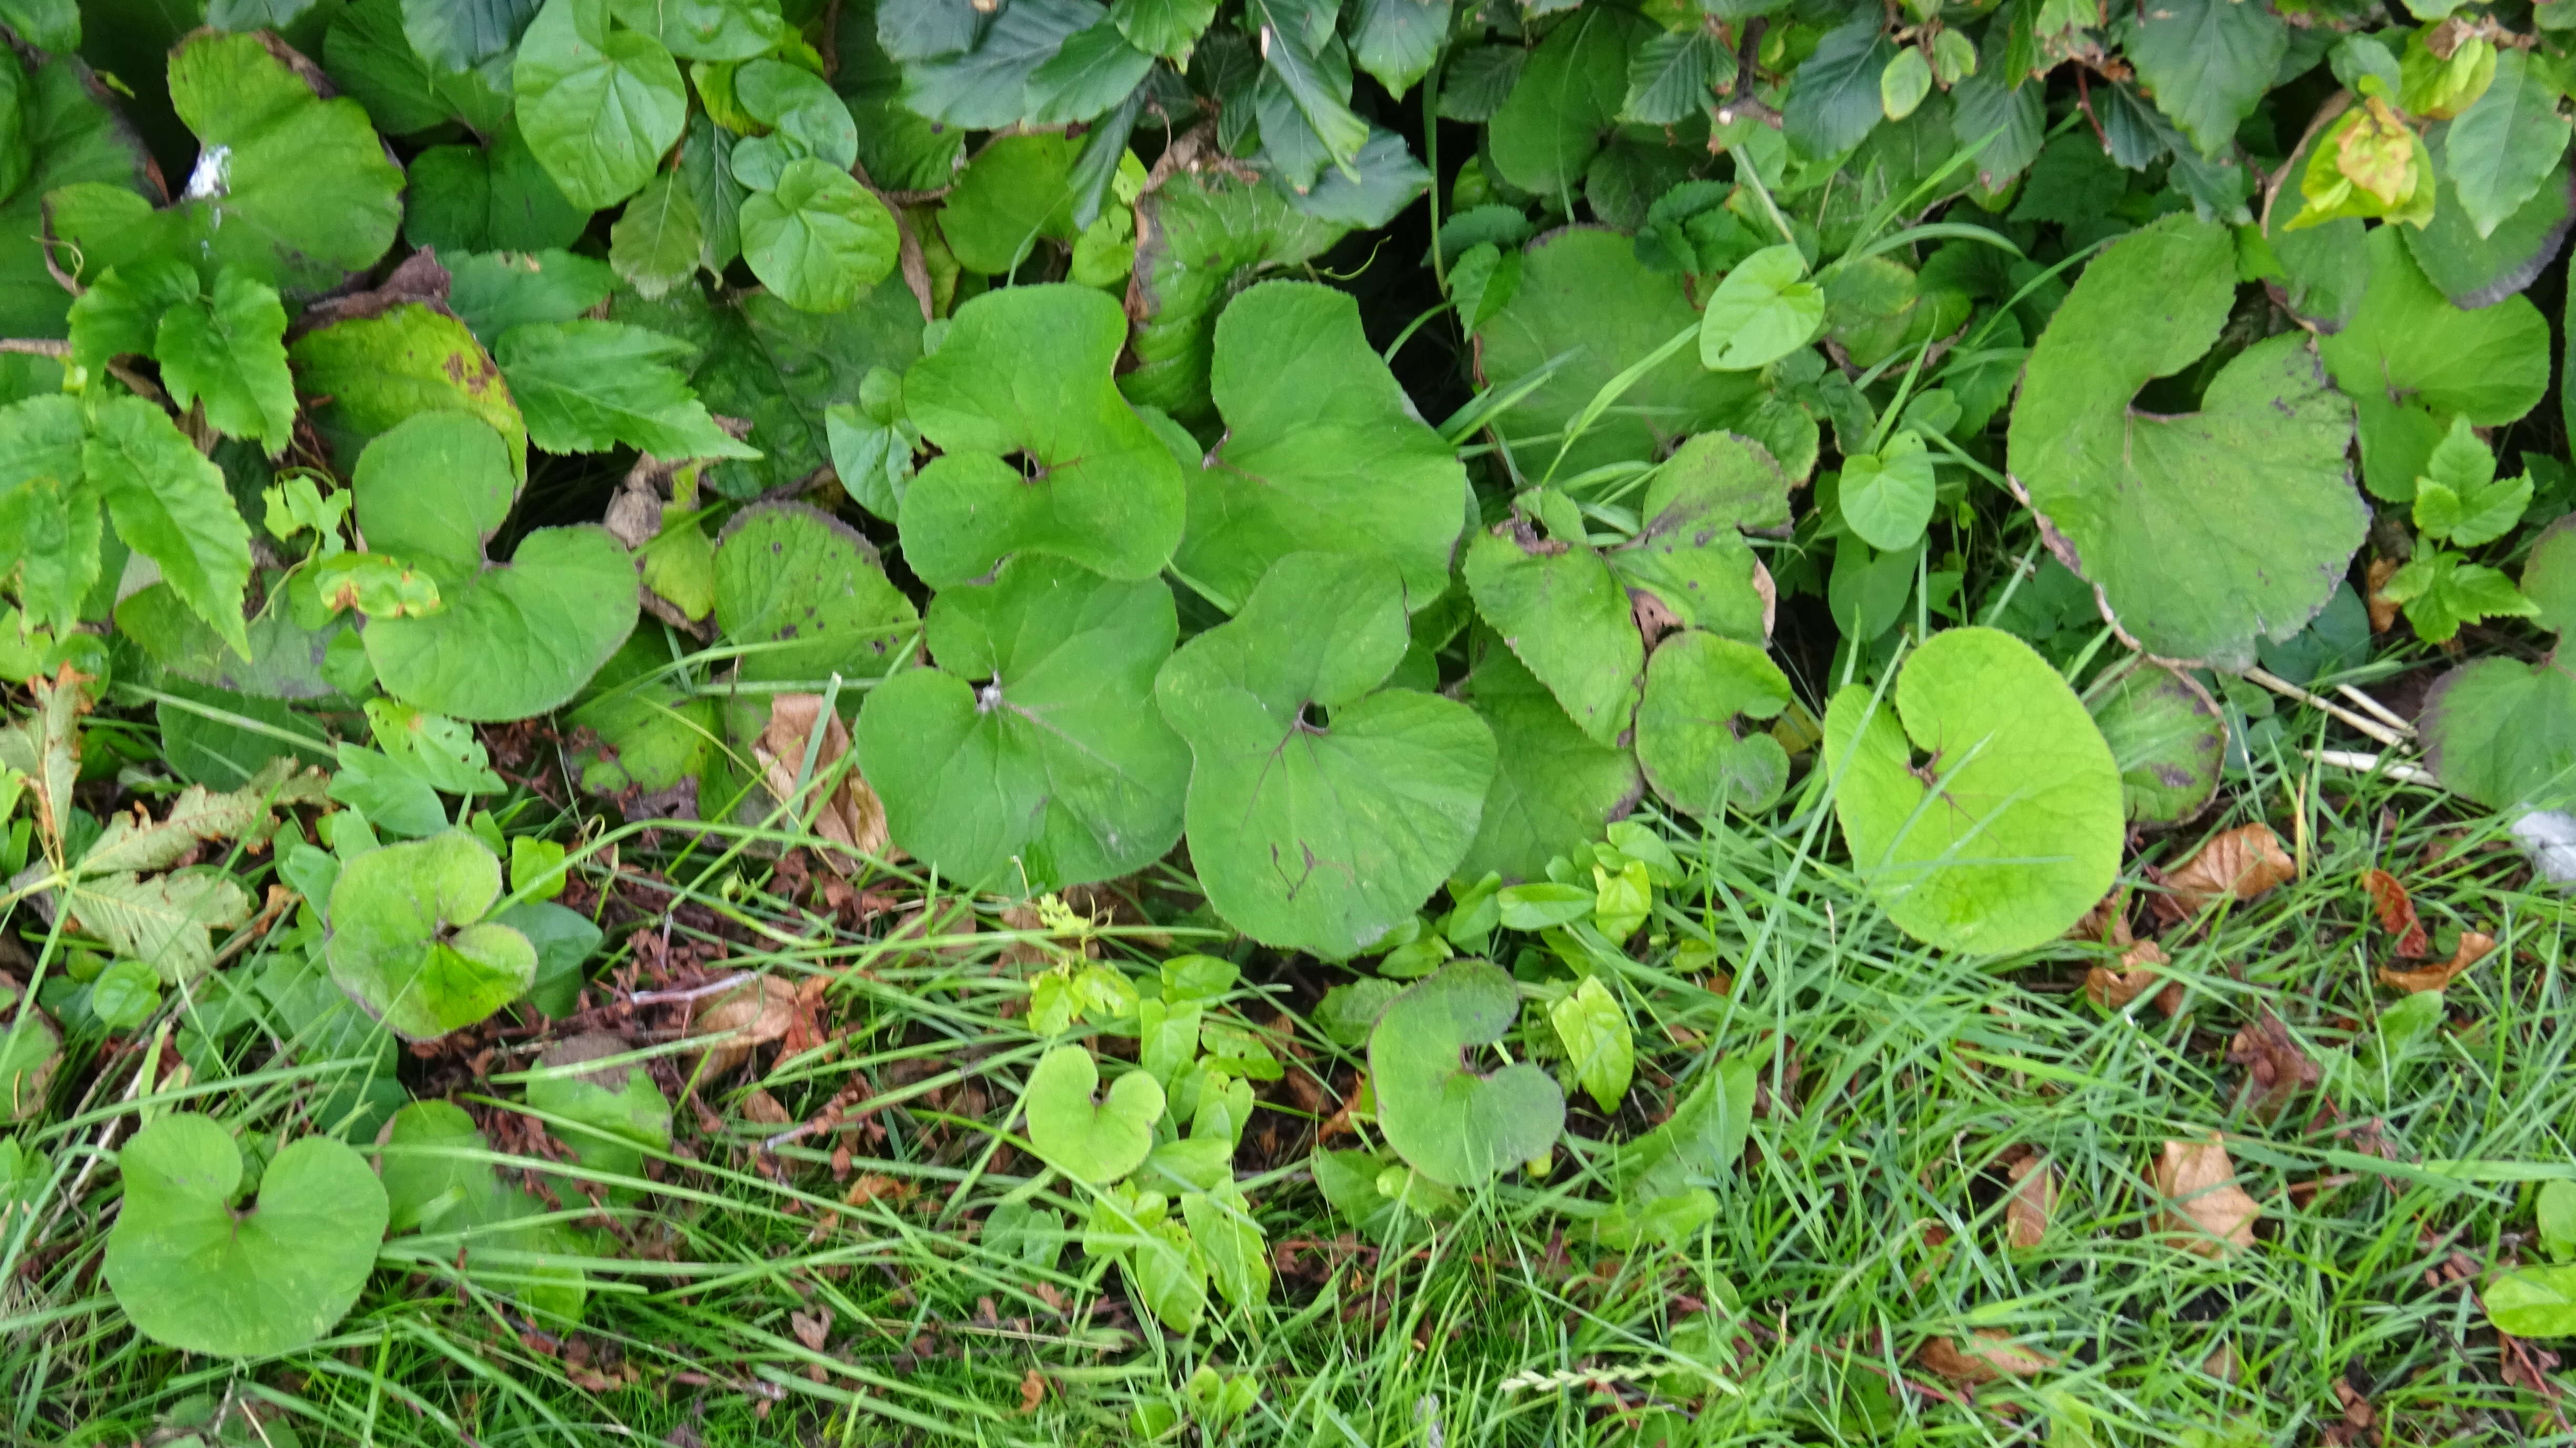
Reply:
x=2008 y=828
x=1694 y=738
x=1323 y=451
x=194 y=1274
x=509 y=640
x=2205 y=532
x=1452 y=1124
x=1036 y=743
x=408 y=940
x=1322 y=807
x=1026 y=372
x=1090 y=1140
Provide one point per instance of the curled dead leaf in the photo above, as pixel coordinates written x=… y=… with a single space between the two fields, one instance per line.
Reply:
x=1983 y=1356
x=2107 y=923
x=2397 y=913
x=2276 y=1070
x=764 y=1109
x=754 y=1014
x=812 y=1328
x=852 y=817
x=2383 y=609
x=2112 y=990
x=2473 y=948
x=2243 y=862
x=2034 y=1197
x=2203 y=1207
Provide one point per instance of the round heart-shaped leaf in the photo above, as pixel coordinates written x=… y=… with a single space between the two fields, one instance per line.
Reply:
x=197 y=1275
x=509 y=640
x=818 y=239
x=405 y=940
x=1093 y=1140
x=1764 y=310
x=1322 y=808
x=1697 y=752
x=1554 y=787
x=2166 y=736
x=599 y=105
x=1560 y=608
x=1453 y=1125
x=1984 y=808
x=806 y=583
x=1037 y=740
x=1039 y=452
x=1323 y=451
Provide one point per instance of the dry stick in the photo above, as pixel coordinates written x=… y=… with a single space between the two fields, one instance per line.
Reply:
x=2371 y=763
x=2379 y=711
x=674 y=997
x=2288 y=690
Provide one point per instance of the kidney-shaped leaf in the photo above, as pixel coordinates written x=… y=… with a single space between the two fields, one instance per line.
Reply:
x=1037 y=739
x=1554 y=786
x=378 y=369
x=195 y=1275
x=2007 y=829
x=1697 y=753
x=1039 y=452
x=2503 y=732
x=1322 y=808
x=811 y=588
x=509 y=640
x=2207 y=530
x=2167 y=738
x=1323 y=451
x=1088 y=1140
x=408 y=940
x=818 y=239
x=1454 y=1125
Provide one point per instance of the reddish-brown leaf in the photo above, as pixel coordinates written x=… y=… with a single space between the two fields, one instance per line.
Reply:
x=2473 y=948
x=2276 y=1070
x=2397 y=913
x=1983 y=1356
x=2034 y=1197
x=2243 y=862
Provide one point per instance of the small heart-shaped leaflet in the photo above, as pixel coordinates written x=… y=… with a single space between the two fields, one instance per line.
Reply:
x=405 y=943
x=1454 y=1126
x=195 y=1275
x=1090 y=1142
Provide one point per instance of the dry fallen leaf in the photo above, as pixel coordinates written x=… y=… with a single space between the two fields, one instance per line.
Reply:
x=2473 y=948
x=812 y=1328
x=756 y=1013
x=2383 y=609
x=2113 y=989
x=853 y=818
x=763 y=1108
x=874 y=1187
x=1983 y=1356
x=2397 y=913
x=2107 y=923
x=1032 y=1390
x=2243 y=862
x=2204 y=1206
x=2034 y=1197
x=2276 y=1070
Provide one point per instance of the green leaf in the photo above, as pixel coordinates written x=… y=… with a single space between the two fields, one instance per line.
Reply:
x=1396 y=40
x=1027 y=371
x=1013 y=194
x=1090 y=1141
x=1322 y=808
x=986 y=88
x=193 y=1274
x=1322 y=452
x=2555 y=1215
x=120 y=314
x=1548 y=128
x=1833 y=100
x=1599 y=1046
x=1092 y=71
x=2411 y=362
x=1698 y=751
x=462 y=34
x=163 y=920
x=1222 y=1228
x=2459 y=498
x=795 y=577
x=2504 y=146
x=493 y=293
x=2533 y=1301
x=511 y=640
x=651 y=734
x=381 y=368
x=1450 y=1123
x=369 y=58
x=1585 y=311
x=707 y=29
x=586 y=386
x=2208 y=63
x=1673 y=74
x=1763 y=310
x=1691 y=556
x=1168 y=28
x=229 y=351
x=2012 y=830
x=1302 y=101
x=408 y=940
x=818 y=240
x=294 y=190
x=1558 y=607
x=2442 y=591
x=433 y=1185
x=170 y=505
x=76 y=138
x=2207 y=531
x=495 y=198
x=1199 y=238
x=53 y=25
x=2475 y=271
x=1887 y=495
x=599 y=106
x=2167 y=738
x=1905 y=82
x=1034 y=751
x=1554 y=787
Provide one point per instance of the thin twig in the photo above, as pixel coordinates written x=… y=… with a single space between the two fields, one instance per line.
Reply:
x=2372 y=764
x=674 y=997
x=36 y=346
x=2288 y=690
x=2377 y=710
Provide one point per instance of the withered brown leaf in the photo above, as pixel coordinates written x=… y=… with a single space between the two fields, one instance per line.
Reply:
x=2113 y=989
x=2244 y=862
x=2397 y=913
x=2204 y=1207
x=2034 y=1197
x=754 y=1013
x=852 y=817
x=2473 y=948
x=1985 y=1355
x=2276 y=1070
